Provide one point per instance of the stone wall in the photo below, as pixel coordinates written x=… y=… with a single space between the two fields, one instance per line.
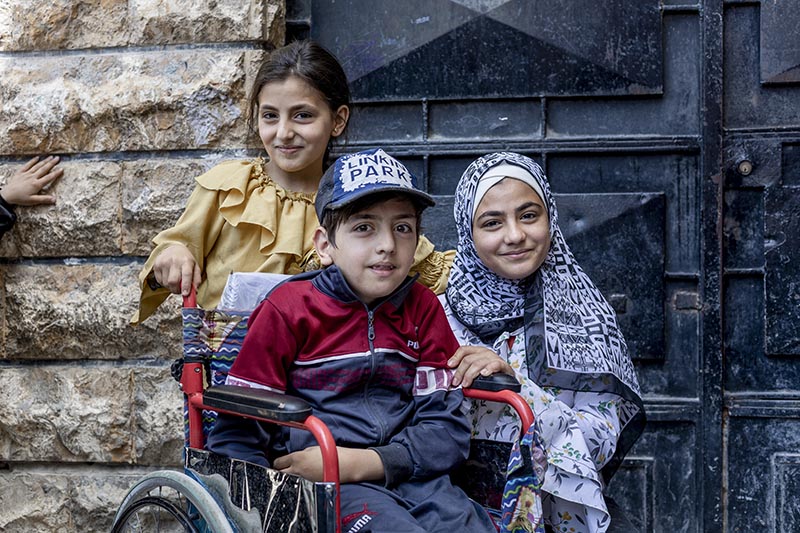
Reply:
x=138 y=97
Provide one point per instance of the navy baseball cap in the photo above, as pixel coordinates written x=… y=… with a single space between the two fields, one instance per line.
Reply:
x=354 y=176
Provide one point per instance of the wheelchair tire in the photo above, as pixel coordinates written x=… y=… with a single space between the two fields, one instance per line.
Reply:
x=170 y=501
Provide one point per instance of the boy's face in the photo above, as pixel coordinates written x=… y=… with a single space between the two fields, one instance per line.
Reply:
x=374 y=248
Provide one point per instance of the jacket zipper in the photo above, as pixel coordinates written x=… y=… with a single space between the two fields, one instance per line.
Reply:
x=371 y=338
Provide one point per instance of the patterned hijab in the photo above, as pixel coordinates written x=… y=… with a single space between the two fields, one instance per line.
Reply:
x=572 y=338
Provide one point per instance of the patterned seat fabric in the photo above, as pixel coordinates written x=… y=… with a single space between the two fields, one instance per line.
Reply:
x=214 y=338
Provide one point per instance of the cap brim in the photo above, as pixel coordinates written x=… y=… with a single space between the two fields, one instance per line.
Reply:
x=424 y=197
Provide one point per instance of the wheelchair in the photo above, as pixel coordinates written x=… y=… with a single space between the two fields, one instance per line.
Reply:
x=222 y=495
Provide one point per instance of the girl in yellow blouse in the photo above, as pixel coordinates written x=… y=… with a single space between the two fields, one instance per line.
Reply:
x=257 y=216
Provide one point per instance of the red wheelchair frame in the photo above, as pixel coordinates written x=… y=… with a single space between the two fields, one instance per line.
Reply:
x=288 y=411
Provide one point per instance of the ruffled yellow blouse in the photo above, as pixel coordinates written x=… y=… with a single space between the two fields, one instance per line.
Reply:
x=239 y=220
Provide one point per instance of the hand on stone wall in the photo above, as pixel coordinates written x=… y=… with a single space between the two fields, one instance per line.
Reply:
x=25 y=185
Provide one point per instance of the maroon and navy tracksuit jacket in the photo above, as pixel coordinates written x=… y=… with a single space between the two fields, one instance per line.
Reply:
x=378 y=377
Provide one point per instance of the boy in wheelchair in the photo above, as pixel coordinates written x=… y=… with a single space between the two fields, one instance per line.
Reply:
x=367 y=347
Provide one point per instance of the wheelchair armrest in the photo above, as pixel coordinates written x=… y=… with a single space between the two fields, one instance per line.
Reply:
x=496 y=382
x=257 y=402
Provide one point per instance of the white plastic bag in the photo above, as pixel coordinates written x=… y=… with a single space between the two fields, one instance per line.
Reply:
x=245 y=290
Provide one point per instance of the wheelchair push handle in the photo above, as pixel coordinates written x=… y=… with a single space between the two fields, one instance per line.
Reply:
x=496 y=382
x=190 y=300
x=503 y=388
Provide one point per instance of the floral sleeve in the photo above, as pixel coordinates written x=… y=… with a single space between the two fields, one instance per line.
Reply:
x=597 y=416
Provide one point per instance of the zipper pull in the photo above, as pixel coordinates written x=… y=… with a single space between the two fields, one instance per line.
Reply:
x=371 y=328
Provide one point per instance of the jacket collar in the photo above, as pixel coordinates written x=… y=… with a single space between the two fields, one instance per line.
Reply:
x=330 y=281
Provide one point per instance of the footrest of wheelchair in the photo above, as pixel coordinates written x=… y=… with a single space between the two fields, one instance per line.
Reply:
x=257 y=402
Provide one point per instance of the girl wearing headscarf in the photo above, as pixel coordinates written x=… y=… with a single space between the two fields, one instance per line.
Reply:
x=515 y=291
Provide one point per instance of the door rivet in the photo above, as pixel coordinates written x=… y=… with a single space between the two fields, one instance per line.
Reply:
x=745 y=167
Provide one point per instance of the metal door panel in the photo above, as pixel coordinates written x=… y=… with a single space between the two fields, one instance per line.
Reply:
x=782 y=251
x=764 y=484
x=748 y=103
x=439 y=174
x=761 y=277
x=445 y=171
x=780 y=42
x=445 y=122
x=674 y=175
x=790 y=161
x=514 y=120
x=761 y=237
x=658 y=481
x=395 y=123
x=598 y=230
x=505 y=40
x=676 y=112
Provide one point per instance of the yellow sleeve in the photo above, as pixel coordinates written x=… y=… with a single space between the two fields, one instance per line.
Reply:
x=197 y=229
x=432 y=266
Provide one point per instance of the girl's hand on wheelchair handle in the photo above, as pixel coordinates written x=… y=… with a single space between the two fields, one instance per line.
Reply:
x=176 y=269
x=472 y=361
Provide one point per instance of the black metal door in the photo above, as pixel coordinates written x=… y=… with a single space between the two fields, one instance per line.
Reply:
x=761 y=281
x=621 y=102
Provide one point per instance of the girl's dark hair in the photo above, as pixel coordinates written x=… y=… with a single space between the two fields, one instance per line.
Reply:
x=312 y=63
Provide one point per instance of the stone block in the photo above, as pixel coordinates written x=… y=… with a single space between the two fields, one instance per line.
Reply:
x=171 y=99
x=3 y=328
x=105 y=414
x=37 y=499
x=34 y=503
x=81 y=311
x=158 y=429
x=95 y=496
x=69 y=415
x=85 y=221
x=79 y=24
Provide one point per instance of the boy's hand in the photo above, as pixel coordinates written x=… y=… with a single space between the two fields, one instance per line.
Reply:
x=24 y=185
x=355 y=465
x=472 y=361
x=176 y=269
x=306 y=463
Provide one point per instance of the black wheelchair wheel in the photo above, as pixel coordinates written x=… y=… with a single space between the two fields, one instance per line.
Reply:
x=154 y=513
x=168 y=501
